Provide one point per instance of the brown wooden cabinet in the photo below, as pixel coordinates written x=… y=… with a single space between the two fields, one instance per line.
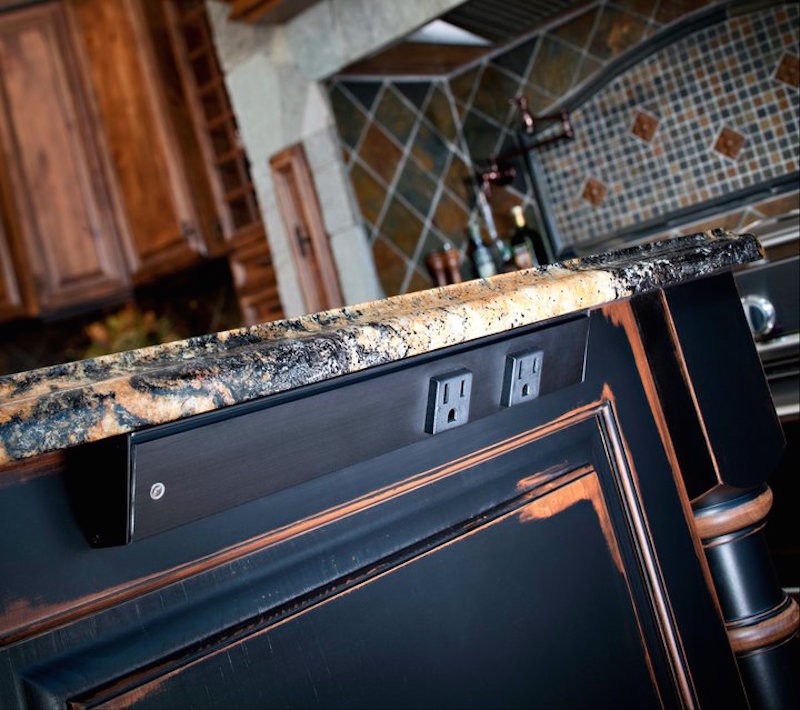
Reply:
x=302 y=216
x=254 y=278
x=226 y=164
x=120 y=161
x=59 y=190
x=147 y=161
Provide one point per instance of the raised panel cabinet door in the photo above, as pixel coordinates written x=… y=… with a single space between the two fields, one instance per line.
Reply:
x=154 y=189
x=59 y=194
x=297 y=198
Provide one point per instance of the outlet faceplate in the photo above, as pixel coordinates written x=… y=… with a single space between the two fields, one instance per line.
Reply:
x=448 y=401
x=523 y=375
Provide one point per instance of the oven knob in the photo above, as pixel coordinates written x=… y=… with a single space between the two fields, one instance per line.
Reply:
x=760 y=314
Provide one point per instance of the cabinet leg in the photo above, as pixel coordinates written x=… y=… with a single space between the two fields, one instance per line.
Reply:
x=761 y=620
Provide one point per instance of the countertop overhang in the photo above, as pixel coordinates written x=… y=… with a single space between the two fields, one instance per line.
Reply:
x=61 y=406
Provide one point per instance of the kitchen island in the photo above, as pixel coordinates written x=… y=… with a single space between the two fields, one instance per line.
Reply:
x=542 y=489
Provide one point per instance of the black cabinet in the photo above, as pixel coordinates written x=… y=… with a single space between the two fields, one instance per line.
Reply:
x=541 y=555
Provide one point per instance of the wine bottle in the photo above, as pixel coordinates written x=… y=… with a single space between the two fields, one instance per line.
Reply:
x=504 y=256
x=526 y=243
x=481 y=256
x=504 y=259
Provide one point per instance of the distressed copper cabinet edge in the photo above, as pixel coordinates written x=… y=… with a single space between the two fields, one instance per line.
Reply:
x=598 y=462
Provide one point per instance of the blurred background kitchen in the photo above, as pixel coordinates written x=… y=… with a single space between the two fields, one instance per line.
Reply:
x=175 y=167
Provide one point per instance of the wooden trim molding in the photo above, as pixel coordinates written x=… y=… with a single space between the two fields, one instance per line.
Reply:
x=722 y=520
x=760 y=619
x=778 y=626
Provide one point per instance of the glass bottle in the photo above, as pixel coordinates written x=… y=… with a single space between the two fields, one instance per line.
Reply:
x=481 y=256
x=526 y=243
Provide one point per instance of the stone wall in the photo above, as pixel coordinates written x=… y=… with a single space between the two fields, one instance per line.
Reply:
x=273 y=78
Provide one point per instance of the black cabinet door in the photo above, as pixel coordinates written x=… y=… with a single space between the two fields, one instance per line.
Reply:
x=537 y=556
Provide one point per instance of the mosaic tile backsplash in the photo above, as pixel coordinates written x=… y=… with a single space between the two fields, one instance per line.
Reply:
x=711 y=113
x=703 y=117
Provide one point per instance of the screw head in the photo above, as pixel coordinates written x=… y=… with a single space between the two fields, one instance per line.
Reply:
x=157 y=490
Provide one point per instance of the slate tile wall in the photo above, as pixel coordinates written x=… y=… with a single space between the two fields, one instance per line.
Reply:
x=711 y=112
x=704 y=117
x=410 y=171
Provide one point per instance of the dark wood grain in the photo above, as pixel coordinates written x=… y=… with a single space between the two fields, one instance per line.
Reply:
x=54 y=163
x=121 y=63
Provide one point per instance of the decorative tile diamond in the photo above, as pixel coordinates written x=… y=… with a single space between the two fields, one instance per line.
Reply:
x=594 y=192
x=554 y=66
x=616 y=31
x=440 y=114
x=395 y=116
x=391 y=267
x=415 y=91
x=788 y=70
x=363 y=91
x=369 y=193
x=577 y=31
x=729 y=143
x=416 y=186
x=380 y=153
x=401 y=227
x=645 y=126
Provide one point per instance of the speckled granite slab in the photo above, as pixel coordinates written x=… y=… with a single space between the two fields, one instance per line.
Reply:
x=56 y=407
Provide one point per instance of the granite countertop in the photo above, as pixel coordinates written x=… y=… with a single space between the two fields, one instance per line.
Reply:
x=56 y=407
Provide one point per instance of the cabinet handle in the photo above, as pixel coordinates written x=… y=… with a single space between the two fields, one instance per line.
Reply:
x=303 y=240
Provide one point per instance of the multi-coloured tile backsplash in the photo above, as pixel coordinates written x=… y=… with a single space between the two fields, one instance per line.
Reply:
x=409 y=170
x=703 y=117
x=712 y=112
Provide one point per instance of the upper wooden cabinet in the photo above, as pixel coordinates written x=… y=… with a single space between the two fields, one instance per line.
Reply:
x=119 y=157
x=146 y=155
x=60 y=193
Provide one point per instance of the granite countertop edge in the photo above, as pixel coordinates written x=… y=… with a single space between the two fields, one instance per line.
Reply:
x=57 y=407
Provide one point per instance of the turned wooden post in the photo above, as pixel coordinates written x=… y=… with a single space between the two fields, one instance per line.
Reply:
x=761 y=620
x=727 y=441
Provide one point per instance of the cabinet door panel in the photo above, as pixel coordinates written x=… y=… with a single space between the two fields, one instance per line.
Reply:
x=58 y=191
x=125 y=80
x=500 y=616
x=305 y=229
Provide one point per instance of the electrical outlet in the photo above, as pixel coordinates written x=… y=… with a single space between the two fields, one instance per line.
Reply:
x=522 y=377
x=448 y=401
